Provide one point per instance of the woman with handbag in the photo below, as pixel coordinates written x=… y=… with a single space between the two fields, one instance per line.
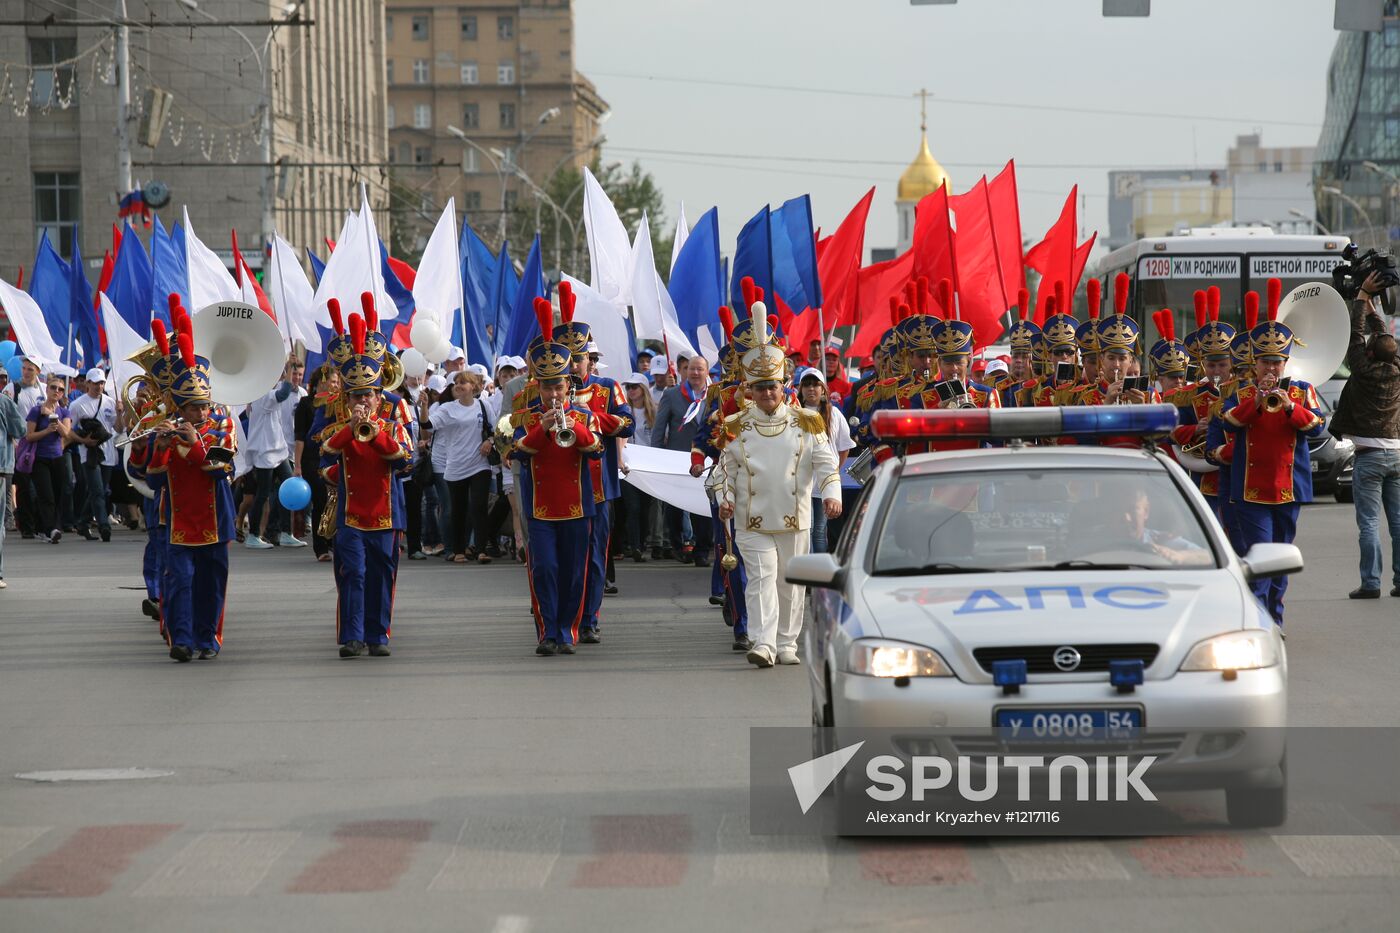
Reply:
x=464 y=427
x=48 y=428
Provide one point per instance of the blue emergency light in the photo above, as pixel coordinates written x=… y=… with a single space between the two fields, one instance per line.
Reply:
x=1125 y=675
x=931 y=424
x=1009 y=675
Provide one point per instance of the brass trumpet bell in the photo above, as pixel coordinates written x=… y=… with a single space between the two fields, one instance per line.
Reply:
x=365 y=431
x=1274 y=401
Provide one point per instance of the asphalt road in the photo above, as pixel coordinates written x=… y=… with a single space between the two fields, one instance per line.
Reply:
x=465 y=784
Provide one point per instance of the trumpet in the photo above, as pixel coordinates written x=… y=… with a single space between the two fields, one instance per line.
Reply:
x=1275 y=395
x=564 y=435
x=365 y=431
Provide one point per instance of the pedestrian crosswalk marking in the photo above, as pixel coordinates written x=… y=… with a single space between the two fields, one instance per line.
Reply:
x=1341 y=856
x=1058 y=860
x=744 y=858
x=219 y=864
x=502 y=852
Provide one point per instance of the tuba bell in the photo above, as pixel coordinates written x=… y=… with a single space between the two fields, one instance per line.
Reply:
x=244 y=348
x=1321 y=327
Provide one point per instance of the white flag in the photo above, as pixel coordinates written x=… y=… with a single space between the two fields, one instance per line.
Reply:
x=356 y=266
x=31 y=333
x=291 y=294
x=609 y=330
x=210 y=281
x=682 y=234
x=122 y=341
x=437 y=291
x=609 y=249
x=654 y=315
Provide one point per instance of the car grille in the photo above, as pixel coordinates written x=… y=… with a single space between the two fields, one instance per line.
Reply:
x=1040 y=659
x=1161 y=744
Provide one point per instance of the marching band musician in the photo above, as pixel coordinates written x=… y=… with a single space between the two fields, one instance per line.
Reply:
x=555 y=439
x=1220 y=444
x=149 y=402
x=1115 y=340
x=192 y=464
x=1199 y=403
x=1271 y=421
x=613 y=416
x=1017 y=387
x=1169 y=359
x=1061 y=349
x=776 y=459
x=1086 y=334
x=365 y=457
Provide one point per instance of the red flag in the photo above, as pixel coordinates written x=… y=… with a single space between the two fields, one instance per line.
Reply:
x=248 y=282
x=1054 y=256
x=1006 y=227
x=1081 y=257
x=838 y=266
x=981 y=302
x=933 y=241
x=103 y=280
x=874 y=285
x=404 y=271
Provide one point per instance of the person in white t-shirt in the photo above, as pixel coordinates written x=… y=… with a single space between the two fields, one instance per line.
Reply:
x=270 y=449
x=98 y=455
x=812 y=394
x=463 y=427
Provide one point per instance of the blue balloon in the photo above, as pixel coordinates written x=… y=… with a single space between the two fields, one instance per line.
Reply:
x=294 y=494
x=12 y=366
x=7 y=350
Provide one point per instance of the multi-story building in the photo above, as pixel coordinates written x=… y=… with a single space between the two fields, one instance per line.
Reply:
x=502 y=75
x=1358 y=151
x=324 y=82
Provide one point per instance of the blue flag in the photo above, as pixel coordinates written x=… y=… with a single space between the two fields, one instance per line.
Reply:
x=523 y=325
x=314 y=359
x=80 y=308
x=132 y=282
x=51 y=288
x=753 y=257
x=502 y=299
x=478 y=278
x=697 y=281
x=169 y=270
x=398 y=293
x=793 y=252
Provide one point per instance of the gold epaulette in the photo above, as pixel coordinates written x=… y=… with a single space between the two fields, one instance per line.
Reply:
x=713 y=393
x=811 y=421
x=731 y=425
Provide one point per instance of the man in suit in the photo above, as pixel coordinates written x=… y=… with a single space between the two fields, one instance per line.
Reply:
x=677 y=419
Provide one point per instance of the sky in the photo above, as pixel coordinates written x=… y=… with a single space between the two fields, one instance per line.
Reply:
x=738 y=103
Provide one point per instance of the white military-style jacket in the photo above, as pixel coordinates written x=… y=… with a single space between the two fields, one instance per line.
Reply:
x=773 y=466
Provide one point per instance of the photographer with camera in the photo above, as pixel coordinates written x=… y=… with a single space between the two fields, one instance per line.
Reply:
x=1368 y=413
x=94 y=415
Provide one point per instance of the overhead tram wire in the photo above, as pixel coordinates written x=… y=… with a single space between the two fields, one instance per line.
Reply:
x=884 y=95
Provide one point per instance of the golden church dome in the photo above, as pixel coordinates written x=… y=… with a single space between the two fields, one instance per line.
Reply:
x=923 y=176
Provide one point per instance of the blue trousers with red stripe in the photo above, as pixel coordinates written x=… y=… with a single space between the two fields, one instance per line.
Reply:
x=559 y=571
x=366 y=567
x=1263 y=524
x=599 y=539
x=153 y=560
x=196 y=580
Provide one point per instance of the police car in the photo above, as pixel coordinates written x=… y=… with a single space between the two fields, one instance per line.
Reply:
x=1042 y=594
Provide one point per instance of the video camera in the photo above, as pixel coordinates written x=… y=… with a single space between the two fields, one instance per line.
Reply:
x=1348 y=276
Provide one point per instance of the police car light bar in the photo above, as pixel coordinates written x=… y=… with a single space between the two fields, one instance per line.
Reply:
x=937 y=423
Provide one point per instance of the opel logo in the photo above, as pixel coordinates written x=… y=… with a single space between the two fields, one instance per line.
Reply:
x=1066 y=658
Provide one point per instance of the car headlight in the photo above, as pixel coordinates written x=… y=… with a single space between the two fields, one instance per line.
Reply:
x=1345 y=444
x=1233 y=651
x=876 y=658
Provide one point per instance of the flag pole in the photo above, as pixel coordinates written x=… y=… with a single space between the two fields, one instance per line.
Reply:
x=462 y=289
x=282 y=288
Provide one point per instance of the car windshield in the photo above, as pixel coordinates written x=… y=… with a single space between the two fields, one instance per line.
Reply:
x=1011 y=520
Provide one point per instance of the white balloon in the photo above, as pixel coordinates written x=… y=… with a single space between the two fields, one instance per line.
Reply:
x=437 y=352
x=414 y=363
x=424 y=332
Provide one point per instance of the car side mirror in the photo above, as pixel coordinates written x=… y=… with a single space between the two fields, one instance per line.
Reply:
x=819 y=570
x=1271 y=560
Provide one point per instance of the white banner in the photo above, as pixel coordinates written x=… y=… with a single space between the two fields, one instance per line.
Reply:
x=665 y=476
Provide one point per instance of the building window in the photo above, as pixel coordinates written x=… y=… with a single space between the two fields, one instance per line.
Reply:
x=405 y=152
x=505 y=27
x=422 y=155
x=468 y=28
x=510 y=200
x=471 y=160
x=422 y=116
x=56 y=200
x=505 y=73
x=52 y=86
x=1392 y=128
x=469 y=73
x=507 y=116
x=471 y=116
x=1278 y=166
x=472 y=200
x=389 y=27
x=393 y=117
x=389 y=70
x=420 y=71
x=420 y=29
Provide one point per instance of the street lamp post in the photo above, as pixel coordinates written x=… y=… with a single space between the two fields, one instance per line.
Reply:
x=1366 y=215
x=1293 y=211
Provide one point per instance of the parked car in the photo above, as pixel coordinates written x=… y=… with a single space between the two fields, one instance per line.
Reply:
x=1331 y=458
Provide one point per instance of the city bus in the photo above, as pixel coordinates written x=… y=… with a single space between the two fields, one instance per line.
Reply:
x=1166 y=271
